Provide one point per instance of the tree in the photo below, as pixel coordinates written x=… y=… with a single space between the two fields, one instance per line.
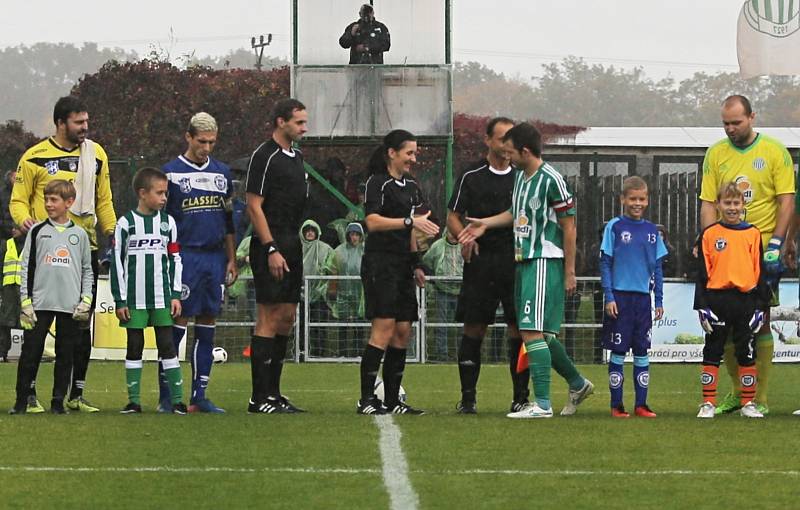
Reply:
x=238 y=59
x=14 y=141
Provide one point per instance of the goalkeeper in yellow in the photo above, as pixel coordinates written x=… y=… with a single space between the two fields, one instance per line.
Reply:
x=763 y=170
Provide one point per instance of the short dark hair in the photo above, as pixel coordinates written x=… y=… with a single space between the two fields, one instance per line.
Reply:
x=65 y=106
x=143 y=179
x=495 y=121
x=742 y=100
x=525 y=136
x=284 y=109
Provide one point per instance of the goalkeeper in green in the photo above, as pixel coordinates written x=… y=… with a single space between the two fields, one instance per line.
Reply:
x=146 y=284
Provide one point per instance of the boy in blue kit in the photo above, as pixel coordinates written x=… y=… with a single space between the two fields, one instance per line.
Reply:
x=200 y=190
x=630 y=266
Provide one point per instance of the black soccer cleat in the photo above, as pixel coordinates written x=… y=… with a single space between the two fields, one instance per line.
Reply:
x=403 y=408
x=467 y=407
x=179 y=408
x=370 y=406
x=289 y=407
x=270 y=406
x=57 y=407
x=19 y=408
x=519 y=405
x=131 y=408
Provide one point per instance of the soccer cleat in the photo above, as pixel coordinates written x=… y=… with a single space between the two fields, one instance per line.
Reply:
x=576 y=397
x=288 y=407
x=57 y=407
x=707 y=410
x=269 y=406
x=532 y=411
x=750 y=410
x=164 y=406
x=519 y=405
x=204 y=406
x=18 y=409
x=466 y=407
x=796 y=413
x=34 y=406
x=729 y=404
x=370 y=406
x=403 y=408
x=644 y=412
x=179 y=408
x=81 y=404
x=763 y=409
x=131 y=408
x=620 y=412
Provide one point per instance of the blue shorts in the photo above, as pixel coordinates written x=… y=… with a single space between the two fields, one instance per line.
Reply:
x=631 y=329
x=203 y=281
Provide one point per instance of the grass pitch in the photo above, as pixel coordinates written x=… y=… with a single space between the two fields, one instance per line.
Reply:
x=329 y=457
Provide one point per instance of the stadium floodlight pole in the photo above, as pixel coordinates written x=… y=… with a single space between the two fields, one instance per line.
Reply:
x=258 y=48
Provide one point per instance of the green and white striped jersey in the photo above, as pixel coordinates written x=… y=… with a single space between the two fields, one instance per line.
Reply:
x=146 y=270
x=537 y=203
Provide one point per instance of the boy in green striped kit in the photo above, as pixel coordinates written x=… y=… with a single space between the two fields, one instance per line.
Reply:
x=146 y=284
x=543 y=216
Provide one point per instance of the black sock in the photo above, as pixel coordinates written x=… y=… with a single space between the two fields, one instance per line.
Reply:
x=370 y=363
x=394 y=363
x=469 y=366
x=279 y=346
x=82 y=352
x=259 y=357
x=519 y=380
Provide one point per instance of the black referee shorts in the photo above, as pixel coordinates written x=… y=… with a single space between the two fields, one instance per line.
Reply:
x=268 y=289
x=389 y=288
x=488 y=280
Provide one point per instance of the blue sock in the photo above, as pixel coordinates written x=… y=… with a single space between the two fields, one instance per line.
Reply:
x=202 y=359
x=641 y=378
x=616 y=378
x=163 y=385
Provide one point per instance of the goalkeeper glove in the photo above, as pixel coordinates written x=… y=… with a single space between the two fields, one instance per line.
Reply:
x=707 y=320
x=756 y=321
x=27 y=317
x=772 y=257
x=83 y=310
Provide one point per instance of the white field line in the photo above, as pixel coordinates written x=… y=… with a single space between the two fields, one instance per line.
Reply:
x=368 y=471
x=395 y=467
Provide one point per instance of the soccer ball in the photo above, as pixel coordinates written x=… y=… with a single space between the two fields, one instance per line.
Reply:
x=219 y=355
x=379 y=391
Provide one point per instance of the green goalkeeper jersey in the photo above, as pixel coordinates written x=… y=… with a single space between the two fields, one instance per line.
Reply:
x=146 y=269
x=537 y=203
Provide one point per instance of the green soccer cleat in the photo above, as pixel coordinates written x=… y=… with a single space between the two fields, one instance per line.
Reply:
x=763 y=409
x=34 y=406
x=729 y=404
x=81 y=404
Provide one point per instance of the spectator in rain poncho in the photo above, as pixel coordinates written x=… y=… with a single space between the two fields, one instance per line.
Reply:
x=444 y=259
x=315 y=253
x=346 y=297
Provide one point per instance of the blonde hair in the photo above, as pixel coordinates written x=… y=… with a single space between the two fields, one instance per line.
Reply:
x=729 y=190
x=201 y=123
x=61 y=188
x=634 y=182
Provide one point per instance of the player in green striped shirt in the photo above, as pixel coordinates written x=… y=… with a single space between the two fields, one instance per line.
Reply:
x=543 y=216
x=146 y=284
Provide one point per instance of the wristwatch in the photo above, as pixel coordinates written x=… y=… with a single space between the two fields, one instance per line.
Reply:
x=408 y=222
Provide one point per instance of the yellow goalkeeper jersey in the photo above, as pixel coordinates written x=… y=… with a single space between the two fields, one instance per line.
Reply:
x=47 y=161
x=763 y=170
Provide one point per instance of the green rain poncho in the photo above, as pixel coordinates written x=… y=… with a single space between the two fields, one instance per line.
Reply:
x=347 y=301
x=444 y=259
x=315 y=253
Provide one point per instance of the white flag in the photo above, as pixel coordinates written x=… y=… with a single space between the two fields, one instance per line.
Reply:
x=768 y=38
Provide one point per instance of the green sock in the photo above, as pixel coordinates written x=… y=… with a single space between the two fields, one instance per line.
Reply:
x=563 y=365
x=175 y=380
x=539 y=362
x=133 y=378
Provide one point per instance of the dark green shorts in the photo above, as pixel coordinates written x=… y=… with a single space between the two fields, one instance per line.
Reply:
x=141 y=319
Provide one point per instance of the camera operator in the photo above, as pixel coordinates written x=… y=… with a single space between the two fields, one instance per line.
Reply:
x=367 y=38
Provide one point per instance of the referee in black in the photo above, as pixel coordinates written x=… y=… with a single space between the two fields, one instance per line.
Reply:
x=485 y=189
x=390 y=268
x=277 y=191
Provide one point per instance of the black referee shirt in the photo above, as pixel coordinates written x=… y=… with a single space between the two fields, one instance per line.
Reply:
x=390 y=198
x=482 y=192
x=279 y=176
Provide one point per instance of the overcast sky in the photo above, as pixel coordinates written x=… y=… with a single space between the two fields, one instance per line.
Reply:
x=675 y=37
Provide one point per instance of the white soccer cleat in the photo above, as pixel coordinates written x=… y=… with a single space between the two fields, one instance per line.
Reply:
x=749 y=410
x=707 y=410
x=796 y=413
x=532 y=411
x=576 y=397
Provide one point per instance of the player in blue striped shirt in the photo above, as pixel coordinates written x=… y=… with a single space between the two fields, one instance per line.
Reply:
x=631 y=254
